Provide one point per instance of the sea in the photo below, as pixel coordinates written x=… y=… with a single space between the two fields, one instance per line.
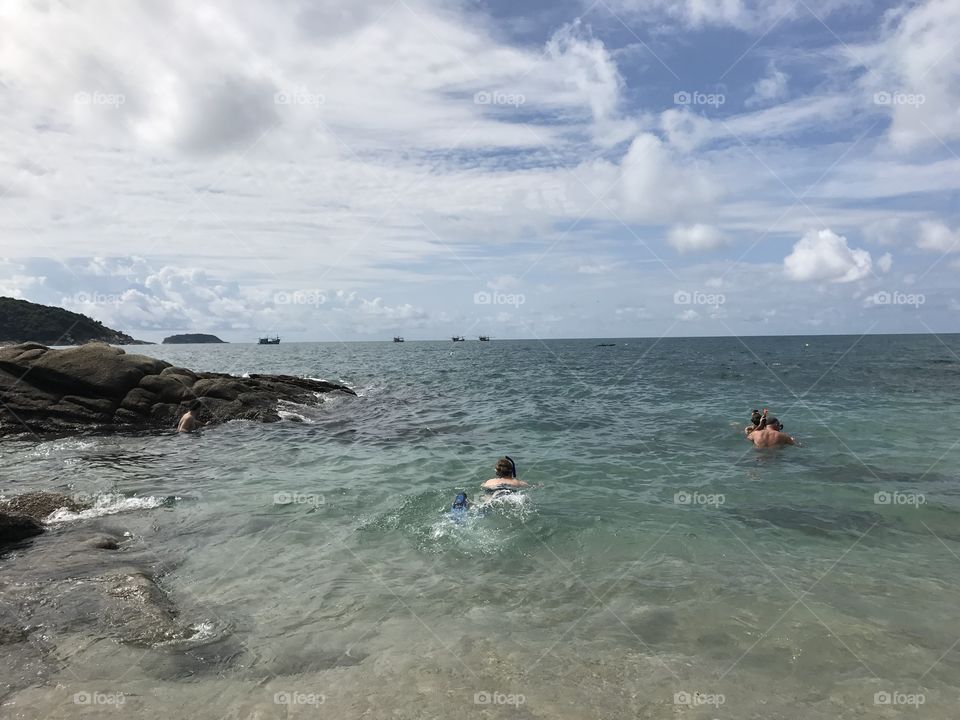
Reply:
x=659 y=566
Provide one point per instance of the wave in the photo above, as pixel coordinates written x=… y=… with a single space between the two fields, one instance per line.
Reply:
x=105 y=504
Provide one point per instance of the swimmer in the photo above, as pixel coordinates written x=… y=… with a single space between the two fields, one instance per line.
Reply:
x=769 y=433
x=506 y=479
x=189 y=422
x=755 y=419
x=461 y=503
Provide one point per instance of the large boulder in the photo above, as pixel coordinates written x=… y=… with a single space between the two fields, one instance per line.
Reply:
x=38 y=505
x=100 y=387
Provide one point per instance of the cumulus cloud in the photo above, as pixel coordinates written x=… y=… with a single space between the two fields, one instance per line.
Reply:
x=824 y=255
x=936 y=236
x=696 y=238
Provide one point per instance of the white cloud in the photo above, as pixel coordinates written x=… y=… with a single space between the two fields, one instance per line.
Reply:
x=824 y=255
x=696 y=238
x=771 y=87
x=914 y=73
x=936 y=236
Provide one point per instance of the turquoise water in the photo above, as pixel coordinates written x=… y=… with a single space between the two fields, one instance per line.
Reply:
x=796 y=583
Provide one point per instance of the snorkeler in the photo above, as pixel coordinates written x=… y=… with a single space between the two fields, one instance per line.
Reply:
x=506 y=479
x=755 y=420
x=461 y=503
x=769 y=433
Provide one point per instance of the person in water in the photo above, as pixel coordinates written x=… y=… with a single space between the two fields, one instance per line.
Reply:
x=461 y=503
x=189 y=421
x=769 y=433
x=755 y=419
x=506 y=479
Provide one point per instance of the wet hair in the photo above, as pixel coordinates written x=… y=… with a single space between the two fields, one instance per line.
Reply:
x=756 y=417
x=504 y=468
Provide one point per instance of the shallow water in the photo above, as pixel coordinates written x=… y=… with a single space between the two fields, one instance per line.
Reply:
x=663 y=557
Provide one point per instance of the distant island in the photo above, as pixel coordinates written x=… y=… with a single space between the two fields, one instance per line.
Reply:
x=23 y=321
x=188 y=338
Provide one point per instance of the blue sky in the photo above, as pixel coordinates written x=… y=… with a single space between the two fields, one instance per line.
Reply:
x=582 y=169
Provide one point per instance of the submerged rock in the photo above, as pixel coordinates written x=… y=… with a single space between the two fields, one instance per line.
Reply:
x=14 y=528
x=101 y=387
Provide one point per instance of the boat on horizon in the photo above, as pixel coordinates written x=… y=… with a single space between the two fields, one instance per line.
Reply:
x=484 y=338
x=269 y=340
x=397 y=338
x=458 y=338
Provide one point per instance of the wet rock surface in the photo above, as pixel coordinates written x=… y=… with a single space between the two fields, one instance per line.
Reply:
x=101 y=387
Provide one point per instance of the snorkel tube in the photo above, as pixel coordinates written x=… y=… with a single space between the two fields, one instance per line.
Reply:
x=513 y=466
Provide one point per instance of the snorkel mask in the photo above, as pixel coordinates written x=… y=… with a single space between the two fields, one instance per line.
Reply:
x=460 y=502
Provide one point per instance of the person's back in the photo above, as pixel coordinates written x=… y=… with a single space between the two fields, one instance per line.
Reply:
x=770 y=436
x=188 y=423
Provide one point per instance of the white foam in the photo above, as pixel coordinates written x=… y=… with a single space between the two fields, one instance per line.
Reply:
x=105 y=504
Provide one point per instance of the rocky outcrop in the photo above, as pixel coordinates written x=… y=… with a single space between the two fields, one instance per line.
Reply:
x=191 y=338
x=38 y=505
x=100 y=387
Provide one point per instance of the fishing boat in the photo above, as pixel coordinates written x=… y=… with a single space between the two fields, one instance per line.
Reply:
x=269 y=340
x=484 y=338
x=458 y=338
x=397 y=338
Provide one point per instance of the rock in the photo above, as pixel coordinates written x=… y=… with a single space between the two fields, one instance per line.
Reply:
x=14 y=528
x=103 y=542
x=38 y=505
x=99 y=387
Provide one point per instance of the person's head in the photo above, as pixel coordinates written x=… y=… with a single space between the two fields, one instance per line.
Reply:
x=755 y=417
x=774 y=423
x=460 y=502
x=194 y=406
x=504 y=468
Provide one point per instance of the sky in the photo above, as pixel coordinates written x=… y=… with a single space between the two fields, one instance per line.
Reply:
x=338 y=171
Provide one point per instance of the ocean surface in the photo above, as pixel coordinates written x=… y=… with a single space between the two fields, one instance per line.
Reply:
x=665 y=568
